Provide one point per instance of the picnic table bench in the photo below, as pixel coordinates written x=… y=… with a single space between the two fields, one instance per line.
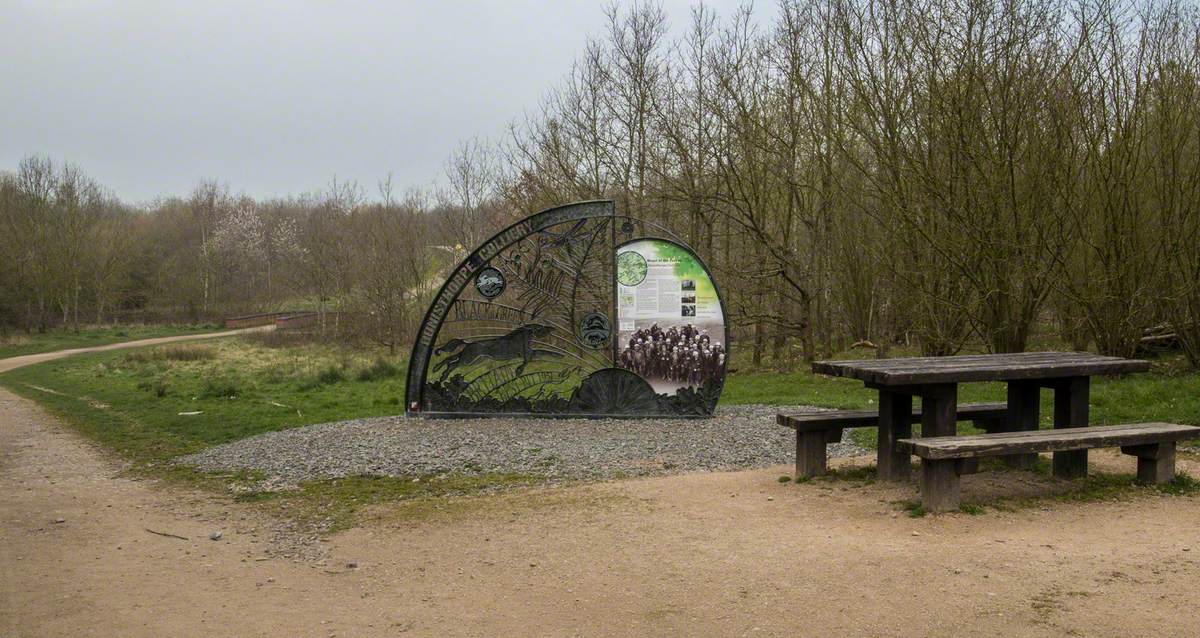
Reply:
x=1012 y=432
x=945 y=458
x=816 y=429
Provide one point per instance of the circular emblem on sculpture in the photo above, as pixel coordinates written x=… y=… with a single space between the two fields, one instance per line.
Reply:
x=631 y=268
x=490 y=282
x=594 y=330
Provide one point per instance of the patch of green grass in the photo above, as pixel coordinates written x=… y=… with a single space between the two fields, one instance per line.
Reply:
x=18 y=344
x=219 y=388
x=158 y=404
x=158 y=387
x=171 y=353
x=972 y=509
x=914 y=508
x=1093 y=488
x=865 y=474
x=1181 y=485
x=795 y=388
x=335 y=504
x=1099 y=487
x=379 y=369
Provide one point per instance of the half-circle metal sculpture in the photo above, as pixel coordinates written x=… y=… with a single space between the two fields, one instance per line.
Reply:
x=573 y=311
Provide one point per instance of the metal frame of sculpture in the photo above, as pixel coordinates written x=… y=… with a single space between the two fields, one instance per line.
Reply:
x=528 y=325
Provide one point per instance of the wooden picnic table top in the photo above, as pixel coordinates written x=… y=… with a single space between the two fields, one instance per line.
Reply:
x=979 y=367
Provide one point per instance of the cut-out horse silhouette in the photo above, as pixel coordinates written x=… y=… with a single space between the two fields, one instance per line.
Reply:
x=517 y=344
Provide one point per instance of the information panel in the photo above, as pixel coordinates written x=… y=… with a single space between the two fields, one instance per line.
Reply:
x=671 y=329
x=573 y=311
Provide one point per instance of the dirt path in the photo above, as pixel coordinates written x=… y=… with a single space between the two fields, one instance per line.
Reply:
x=30 y=359
x=724 y=554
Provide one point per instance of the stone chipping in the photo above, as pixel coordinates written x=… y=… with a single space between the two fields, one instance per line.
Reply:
x=737 y=437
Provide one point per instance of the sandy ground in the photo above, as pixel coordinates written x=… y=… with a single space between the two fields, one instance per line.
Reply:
x=721 y=554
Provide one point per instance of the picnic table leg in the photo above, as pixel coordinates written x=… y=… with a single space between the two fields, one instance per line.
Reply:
x=1071 y=411
x=1156 y=462
x=939 y=410
x=940 y=485
x=811 y=456
x=1023 y=406
x=895 y=422
x=939 y=417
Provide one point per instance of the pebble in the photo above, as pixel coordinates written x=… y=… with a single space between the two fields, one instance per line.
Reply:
x=60 y=520
x=738 y=437
x=215 y=536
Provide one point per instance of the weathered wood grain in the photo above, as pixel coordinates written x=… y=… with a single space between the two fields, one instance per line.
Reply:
x=972 y=368
x=1156 y=462
x=811 y=459
x=1066 y=439
x=939 y=486
x=1071 y=411
x=870 y=418
x=895 y=422
x=940 y=410
x=1023 y=407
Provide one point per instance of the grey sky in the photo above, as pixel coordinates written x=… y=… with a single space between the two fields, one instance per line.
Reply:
x=276 y=97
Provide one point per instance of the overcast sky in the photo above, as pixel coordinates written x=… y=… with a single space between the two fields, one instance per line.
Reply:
x=275 y=98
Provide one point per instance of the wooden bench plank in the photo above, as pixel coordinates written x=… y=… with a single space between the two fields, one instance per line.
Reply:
x=1002 y=443
x=868 y=418
x=943 y=458
x=817 y=429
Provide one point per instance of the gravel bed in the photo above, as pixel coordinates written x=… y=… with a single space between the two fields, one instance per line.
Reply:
x=743 y=436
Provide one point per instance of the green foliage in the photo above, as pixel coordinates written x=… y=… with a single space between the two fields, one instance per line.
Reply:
x=158 y=387
x=1182 y=485
x=380 y=369
x=338 y=502
x=219 y=388
x=914 y=508
x=330 y=375
x=171 y=353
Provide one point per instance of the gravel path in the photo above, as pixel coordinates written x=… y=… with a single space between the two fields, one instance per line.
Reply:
x=743 y=436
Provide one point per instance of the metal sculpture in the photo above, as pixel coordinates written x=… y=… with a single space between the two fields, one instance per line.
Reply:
x=573 y=311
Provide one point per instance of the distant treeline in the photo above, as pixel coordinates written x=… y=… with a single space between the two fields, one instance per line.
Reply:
x=72 y=254
x=944 y=172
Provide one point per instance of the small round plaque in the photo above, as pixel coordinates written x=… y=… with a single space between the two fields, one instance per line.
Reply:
x=631 y=268
x=490 y=282
x=594 y=330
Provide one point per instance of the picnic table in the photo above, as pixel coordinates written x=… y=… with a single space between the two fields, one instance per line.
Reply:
x=936 y=379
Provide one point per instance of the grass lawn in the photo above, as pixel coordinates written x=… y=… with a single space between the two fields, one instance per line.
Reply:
x=153 y=404
x=19 y=344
